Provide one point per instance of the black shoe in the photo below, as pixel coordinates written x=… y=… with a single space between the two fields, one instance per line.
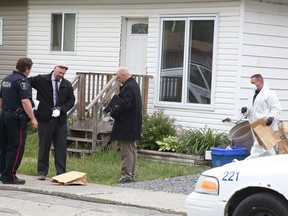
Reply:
x=16 y=181
x=125 y=180
x=41 y=177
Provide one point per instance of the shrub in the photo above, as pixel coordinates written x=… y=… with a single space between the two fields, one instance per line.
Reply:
x=155 y=127
x=170 y=143
x=197 y=141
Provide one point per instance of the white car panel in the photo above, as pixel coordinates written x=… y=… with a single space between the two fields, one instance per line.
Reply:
x=204 y=205
x=269 y=173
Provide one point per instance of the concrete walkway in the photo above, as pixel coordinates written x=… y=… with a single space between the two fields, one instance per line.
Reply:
x=162 y=201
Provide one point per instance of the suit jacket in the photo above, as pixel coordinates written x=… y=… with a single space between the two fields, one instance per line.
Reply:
x=43 y=85
x=128 y=115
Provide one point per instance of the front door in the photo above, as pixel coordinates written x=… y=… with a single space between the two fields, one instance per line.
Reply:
x=134 y=48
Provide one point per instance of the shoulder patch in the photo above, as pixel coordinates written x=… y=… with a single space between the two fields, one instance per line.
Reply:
x=24 y=85
x=6 y=84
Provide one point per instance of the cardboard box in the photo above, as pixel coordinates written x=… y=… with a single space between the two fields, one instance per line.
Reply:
x=265 y=135
x=283 y=143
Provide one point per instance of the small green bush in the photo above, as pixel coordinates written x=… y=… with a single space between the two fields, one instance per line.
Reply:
x=197 y=141
x=194 y=141
x=170 y=143
x=155 y=127
x=159 y=133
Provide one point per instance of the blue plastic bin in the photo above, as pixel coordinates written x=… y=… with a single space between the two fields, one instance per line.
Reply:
x=221 y=156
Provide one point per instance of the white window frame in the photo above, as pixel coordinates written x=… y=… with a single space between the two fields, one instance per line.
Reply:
x=1 y=30
x=184 y=104
x=62 y=36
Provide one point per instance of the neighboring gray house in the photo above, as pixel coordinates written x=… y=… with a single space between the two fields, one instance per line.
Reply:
x=200 y=53
x=13 y=33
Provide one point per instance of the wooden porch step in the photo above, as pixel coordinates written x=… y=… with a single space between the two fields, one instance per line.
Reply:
x=82 y=129
x=82 y=126
x=74 y=152
x=79 y=139
x=87 y=126
x=105 y=139
x=106 y=127
x=82 y=151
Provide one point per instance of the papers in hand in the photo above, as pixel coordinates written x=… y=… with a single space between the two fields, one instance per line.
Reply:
x=106 y=117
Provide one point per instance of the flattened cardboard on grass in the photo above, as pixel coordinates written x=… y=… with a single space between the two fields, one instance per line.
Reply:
x=71 y=178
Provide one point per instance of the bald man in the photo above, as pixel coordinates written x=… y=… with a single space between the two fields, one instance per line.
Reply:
x=127 y=114
x=56 y=97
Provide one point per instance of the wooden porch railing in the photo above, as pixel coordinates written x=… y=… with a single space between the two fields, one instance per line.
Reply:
x=94 y=91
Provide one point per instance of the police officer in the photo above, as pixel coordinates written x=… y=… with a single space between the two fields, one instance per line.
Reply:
x=16 y=111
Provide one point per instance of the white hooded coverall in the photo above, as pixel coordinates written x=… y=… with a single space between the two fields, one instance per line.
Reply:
x=267 y=105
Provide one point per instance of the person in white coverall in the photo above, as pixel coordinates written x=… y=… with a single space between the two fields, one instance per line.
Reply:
x=263 y=103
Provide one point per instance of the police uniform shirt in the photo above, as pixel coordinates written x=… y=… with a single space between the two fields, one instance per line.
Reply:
x=14 y=88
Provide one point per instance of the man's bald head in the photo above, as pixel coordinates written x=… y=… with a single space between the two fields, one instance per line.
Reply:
x=122 y=74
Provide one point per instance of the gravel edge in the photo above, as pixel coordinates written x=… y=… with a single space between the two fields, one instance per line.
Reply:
x=180 y=184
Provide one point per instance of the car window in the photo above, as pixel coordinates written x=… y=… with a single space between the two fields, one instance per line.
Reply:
x=195 y=76
x=207 y=74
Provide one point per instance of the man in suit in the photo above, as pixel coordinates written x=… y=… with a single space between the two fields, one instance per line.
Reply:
x=56 y=97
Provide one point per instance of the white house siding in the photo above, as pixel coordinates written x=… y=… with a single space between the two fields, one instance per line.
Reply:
x=98 y=46
x=265 y=48
x=97 y=42
x=14 y=15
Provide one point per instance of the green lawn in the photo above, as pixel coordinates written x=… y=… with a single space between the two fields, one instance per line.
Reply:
x=105 y=167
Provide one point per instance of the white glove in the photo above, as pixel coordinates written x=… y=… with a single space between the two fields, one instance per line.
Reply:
x=36 y=103
x=56 y=112
x=106 y=117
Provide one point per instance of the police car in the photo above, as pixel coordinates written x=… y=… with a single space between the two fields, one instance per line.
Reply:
x=254 y=187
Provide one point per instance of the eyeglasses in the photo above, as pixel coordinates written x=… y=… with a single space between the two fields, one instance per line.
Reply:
x=62 y=67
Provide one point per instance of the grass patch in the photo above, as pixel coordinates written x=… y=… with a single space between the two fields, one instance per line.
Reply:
x=105 y=167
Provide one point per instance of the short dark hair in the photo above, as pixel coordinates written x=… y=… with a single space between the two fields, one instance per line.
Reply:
x=24 y=63
x=257 y=76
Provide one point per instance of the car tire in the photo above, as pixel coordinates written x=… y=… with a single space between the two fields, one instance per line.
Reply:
x=262 y=204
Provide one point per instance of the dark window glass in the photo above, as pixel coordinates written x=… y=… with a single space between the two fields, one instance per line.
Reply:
x=197 y=67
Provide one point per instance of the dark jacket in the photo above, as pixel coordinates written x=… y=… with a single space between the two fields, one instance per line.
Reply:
x=43 y=85
x=14 y=88
x=128 y=115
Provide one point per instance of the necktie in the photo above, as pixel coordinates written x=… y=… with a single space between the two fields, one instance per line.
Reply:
x=56 y=93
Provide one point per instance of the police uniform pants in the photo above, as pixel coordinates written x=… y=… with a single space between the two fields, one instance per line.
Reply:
x=52 y=132
x=128 y=151
x=12 y=145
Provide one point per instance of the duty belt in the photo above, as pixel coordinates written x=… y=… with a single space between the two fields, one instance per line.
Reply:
x=9 y=110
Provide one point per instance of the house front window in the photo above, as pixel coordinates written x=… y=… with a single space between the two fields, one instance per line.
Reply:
x=187 y=45
x=63 y=32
